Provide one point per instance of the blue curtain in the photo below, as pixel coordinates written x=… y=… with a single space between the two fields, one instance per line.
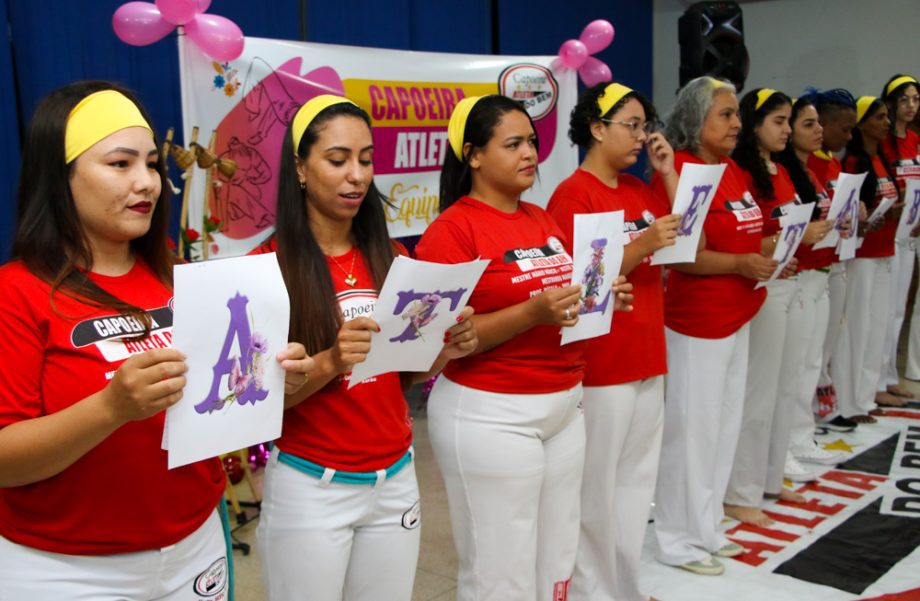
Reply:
x=54 y=43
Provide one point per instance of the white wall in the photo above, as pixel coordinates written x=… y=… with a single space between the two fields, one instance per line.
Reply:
x=852 y=44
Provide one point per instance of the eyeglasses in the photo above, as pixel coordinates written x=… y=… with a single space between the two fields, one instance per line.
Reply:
x=909 y=100
x=634 y=127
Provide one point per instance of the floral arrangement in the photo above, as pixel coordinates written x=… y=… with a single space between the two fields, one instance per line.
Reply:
x=593 y=277
x=421 y=312
x=226 y=79
x=191 y=236
x=239 y=380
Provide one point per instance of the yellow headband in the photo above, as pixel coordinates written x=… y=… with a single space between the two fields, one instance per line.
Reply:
x=763 y=94
x=900 y=81
x=718 y=83
x=612 y=95
x=96 y=117
x=308 y=112
x=456 y=127
x=862 y=106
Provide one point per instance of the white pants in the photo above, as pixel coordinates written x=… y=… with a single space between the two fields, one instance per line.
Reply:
x=760 y=456
x=857 y=372
x=836 y=325
x=192 y=569
x=813 y=290
x=329 y=541
x=512 y=466
x=702 y=419
x=912 y=366
x=902 y=270
x=623 y=425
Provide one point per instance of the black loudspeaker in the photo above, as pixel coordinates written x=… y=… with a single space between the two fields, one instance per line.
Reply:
x=711 y=36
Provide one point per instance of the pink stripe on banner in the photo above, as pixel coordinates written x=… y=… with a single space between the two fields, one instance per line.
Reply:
x=409 y=149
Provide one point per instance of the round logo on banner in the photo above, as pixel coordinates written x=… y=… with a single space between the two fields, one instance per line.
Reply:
x=532 y=85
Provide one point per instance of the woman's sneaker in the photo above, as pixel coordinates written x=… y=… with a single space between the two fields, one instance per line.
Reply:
x=839 y=424
x=796 y=472
x=816 y=454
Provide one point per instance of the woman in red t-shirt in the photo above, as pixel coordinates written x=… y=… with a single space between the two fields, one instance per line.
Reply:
x=88 y=508
x=775 y=356
x=506 y=422
x=708 y=305
x=868 y=287
x=340 y=515
x=811 y=312
x=624 y=370
x=837 y=117
x=900 y=147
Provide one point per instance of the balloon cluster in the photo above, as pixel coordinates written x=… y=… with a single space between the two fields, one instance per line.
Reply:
x=575 y=54
x=143 y=23
x=258 y=455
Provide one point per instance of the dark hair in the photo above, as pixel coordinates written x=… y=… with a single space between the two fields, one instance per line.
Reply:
x=804 y=187
x=830 y=102
x=315 y=315
x=49 y=237
x=892 y=100
x=856 y=148
x=747 y=151
x=456 y=177
x=587 y=112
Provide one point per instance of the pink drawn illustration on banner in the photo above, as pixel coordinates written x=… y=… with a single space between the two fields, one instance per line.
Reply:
x=592 y=283
x=251 y=135
x=245 y=374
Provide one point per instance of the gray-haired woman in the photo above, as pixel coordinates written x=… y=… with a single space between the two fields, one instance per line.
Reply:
x=708 y=306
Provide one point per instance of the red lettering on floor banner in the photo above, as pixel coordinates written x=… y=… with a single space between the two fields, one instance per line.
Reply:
x=855 y=479
x=754 y=555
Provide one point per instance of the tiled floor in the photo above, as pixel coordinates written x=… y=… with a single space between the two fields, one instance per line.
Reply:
x=436 y=577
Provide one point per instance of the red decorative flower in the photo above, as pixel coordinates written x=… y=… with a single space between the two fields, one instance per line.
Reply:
x=191 y=234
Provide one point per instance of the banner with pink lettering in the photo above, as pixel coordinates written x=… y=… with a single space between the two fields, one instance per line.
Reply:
x=249 y=102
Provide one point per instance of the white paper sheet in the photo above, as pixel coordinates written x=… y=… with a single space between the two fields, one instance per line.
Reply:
x=911 y=211
x=598 y=254
x=882 y=208
x=846 y=197
x=419 y=301
x=793 y=225
x=695 y=190
x=231 y=319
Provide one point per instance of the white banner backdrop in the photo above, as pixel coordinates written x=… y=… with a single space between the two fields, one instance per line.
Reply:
x=409 y=96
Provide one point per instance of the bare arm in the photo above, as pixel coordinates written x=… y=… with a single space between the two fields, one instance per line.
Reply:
x=40 y=448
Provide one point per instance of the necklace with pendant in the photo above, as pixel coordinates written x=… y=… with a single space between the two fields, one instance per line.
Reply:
x=350 y=278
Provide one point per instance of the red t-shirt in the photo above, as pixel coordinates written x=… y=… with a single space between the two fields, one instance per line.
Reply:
x=366 y=428
x=878 y=243
x=774 y=208
x=716 y=306
x=826 y=167
x=527 y=256
x=119 y=497
x=824 y=257
x=634 y=349
x=905 y=157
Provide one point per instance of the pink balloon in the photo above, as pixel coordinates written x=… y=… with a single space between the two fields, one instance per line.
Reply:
x=140 y=23
x=572 y=54
x=180 y=12
x=217 y=36
x=597 y=35
x=594 y=72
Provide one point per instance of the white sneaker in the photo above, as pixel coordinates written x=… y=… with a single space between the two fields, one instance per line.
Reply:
x=816 y=454
x=796 y=472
